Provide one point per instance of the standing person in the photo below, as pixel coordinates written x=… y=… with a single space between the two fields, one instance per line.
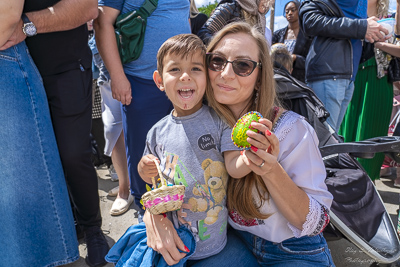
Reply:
x=368 y=114
x=280 y=207
x=132 y=84
x=114 y=137
x=226 y=12
x=331 y=65
x=294 y=38
x=57 y=37
x=197 y=19
x=35 y=211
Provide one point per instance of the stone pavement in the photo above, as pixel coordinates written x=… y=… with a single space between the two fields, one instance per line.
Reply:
x=344 y=253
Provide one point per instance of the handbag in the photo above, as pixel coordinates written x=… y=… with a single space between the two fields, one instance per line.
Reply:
x=129 y=31
x=393 y=70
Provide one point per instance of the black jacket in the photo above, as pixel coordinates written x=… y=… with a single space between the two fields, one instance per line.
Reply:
x=301 y=48
x=225 y=13
x=331 y=52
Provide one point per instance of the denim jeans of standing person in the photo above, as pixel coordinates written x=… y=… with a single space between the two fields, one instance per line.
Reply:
x=35 y=212
x=305 y=251
x=335 y=94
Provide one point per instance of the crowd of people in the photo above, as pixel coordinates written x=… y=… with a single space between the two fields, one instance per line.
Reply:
x=194 y=79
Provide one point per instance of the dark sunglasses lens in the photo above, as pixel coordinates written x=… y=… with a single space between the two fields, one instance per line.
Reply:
x=243 y=67
x=216 y=63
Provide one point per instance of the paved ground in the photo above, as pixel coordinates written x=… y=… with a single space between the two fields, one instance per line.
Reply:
x=344 y=253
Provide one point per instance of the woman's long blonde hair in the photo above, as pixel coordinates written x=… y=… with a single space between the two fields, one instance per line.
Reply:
x=263 y=101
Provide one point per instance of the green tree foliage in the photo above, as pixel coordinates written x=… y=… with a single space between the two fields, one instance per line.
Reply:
x=208 y=9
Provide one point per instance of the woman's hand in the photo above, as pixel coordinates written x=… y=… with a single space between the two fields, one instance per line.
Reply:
x=121 y=89
x=163 y=238
x=262 y=156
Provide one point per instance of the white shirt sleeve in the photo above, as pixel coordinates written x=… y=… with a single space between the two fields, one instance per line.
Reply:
x=316 y=221
x=302 y=161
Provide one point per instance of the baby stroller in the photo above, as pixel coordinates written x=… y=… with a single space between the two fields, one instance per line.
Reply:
x=357 y=211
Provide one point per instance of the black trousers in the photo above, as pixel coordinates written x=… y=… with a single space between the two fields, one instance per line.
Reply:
x=70 y=100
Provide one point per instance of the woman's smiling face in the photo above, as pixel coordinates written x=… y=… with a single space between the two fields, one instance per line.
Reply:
x=229 y=88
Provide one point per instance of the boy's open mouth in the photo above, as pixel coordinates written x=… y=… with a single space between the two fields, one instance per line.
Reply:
x=186 y=93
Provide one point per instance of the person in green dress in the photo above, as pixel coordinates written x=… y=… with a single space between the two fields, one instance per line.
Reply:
x=368 y=114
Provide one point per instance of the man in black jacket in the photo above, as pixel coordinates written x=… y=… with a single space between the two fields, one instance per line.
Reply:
x=57 y=37
x=331 y=64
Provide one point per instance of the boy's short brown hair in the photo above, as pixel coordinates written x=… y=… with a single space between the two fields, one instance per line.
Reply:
x=183 y=45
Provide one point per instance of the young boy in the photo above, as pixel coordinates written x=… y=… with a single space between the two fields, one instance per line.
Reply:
x=189 y=145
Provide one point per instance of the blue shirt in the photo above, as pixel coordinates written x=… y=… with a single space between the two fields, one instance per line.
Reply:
x=170 y=18
x=354 y=9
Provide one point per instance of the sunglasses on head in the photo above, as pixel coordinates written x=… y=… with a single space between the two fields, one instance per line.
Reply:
x=242 y=67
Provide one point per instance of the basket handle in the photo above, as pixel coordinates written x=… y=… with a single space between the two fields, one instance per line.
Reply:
x=159 y=173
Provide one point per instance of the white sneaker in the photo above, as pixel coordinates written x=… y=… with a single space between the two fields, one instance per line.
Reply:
x=113 y=173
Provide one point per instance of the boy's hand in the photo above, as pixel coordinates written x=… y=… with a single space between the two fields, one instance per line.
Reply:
x=147 y=168
x=163 y=238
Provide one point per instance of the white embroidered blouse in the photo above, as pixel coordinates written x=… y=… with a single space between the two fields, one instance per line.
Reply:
x=300 y=157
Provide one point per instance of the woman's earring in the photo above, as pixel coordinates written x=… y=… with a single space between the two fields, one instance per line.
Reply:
x=256 y=97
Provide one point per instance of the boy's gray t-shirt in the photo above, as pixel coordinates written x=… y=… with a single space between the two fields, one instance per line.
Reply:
x=190 y=150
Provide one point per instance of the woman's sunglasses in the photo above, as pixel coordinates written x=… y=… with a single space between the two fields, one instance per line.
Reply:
x=242 y=67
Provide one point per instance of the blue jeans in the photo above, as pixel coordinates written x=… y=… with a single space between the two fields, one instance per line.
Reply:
x=335 y=94
x=148 y=106
x=235 y=254
x=35 y=211
x=297 y=252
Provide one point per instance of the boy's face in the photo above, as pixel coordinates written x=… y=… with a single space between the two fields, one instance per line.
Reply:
x=184 y=81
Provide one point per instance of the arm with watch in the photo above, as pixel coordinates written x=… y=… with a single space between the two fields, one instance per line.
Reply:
x=63 y=16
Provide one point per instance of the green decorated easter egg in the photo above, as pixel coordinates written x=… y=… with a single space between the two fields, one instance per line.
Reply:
x=239 y=136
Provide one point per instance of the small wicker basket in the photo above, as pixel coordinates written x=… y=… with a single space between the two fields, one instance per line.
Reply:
x=163 y=199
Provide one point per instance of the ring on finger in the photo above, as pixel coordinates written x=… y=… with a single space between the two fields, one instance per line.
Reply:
x=262 y=164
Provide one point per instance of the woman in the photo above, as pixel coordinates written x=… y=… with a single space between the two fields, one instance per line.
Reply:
x=226 y=12
x=114 y=146
x=197 y=19
x=281 y=206
x=35 y=209
x=368 y=114
x=132 y=84
x=294 y=38
x=281 y=203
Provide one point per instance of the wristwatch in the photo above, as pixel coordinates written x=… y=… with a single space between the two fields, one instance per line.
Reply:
x=29 y=28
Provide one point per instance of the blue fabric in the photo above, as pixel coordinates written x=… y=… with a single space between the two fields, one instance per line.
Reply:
x=335 y=94
x=102 y=74
x=35 y=210
x=354 y=9
x=235 y=253
x=306 y=251
x=131 y=249
x=148 y=106
x=170 y=18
